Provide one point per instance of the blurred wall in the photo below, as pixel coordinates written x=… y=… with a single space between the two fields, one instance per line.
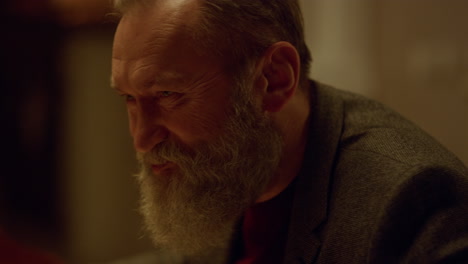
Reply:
x=424 y=66
x=410 y=55
x=340 y=35
x=102 y=222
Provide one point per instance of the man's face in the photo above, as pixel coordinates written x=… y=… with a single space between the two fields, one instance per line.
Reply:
x=205 y=147
x=172 y=92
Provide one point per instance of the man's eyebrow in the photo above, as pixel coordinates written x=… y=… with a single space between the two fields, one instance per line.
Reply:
x=162 y=78
x=167 y=77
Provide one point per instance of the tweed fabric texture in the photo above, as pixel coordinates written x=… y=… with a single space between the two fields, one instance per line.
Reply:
x=374 y=188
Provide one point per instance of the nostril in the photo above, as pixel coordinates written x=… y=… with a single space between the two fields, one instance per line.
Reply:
x=146 y=139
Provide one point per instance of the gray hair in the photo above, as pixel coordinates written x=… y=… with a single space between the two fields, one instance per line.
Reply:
x=241 y=30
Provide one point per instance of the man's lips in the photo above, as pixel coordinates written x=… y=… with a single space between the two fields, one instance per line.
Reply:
x=158 y=168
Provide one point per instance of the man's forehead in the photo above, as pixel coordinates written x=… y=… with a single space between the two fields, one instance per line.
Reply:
x=155 y=42
x=151 y=27
x=158 y=12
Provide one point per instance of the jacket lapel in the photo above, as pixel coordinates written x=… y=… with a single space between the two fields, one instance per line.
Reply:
x=309 y=207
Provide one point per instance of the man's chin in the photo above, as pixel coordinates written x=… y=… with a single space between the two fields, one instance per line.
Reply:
x=185 y=221
x=198 y=245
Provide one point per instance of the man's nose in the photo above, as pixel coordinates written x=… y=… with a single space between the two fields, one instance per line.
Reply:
x=147 y=132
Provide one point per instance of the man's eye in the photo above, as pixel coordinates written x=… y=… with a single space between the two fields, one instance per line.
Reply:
x=166 y=93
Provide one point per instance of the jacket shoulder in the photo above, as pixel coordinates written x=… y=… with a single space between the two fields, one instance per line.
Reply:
x=396 y=195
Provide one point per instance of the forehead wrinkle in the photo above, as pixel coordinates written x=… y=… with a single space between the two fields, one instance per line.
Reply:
x=168 y=32
x=158 y=40
x=164 y=79
x=147 y=76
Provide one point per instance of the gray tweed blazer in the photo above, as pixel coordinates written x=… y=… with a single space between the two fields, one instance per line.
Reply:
x=375 y=189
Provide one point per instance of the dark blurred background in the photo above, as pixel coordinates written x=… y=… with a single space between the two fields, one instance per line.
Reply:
x=65 y=183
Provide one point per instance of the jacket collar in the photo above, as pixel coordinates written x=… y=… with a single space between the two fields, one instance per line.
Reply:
x=309 y=208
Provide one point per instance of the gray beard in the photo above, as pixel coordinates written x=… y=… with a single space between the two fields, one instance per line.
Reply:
x=194 y=210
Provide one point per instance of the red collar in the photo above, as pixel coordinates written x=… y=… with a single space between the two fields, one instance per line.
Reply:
x=264 y=230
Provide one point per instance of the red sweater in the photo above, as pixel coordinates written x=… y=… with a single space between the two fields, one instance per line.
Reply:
x=264 y=230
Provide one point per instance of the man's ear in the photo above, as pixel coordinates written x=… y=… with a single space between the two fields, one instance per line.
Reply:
x=279 y=75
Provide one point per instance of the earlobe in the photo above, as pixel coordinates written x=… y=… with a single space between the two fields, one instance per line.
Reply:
x=281 y=71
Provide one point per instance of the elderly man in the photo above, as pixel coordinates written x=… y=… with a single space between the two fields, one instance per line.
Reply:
x=245 y=160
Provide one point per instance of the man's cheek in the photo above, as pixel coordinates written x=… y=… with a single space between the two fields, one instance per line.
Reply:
x=194 y=127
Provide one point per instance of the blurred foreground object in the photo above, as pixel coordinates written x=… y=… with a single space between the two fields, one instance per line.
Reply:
x=12 y=252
